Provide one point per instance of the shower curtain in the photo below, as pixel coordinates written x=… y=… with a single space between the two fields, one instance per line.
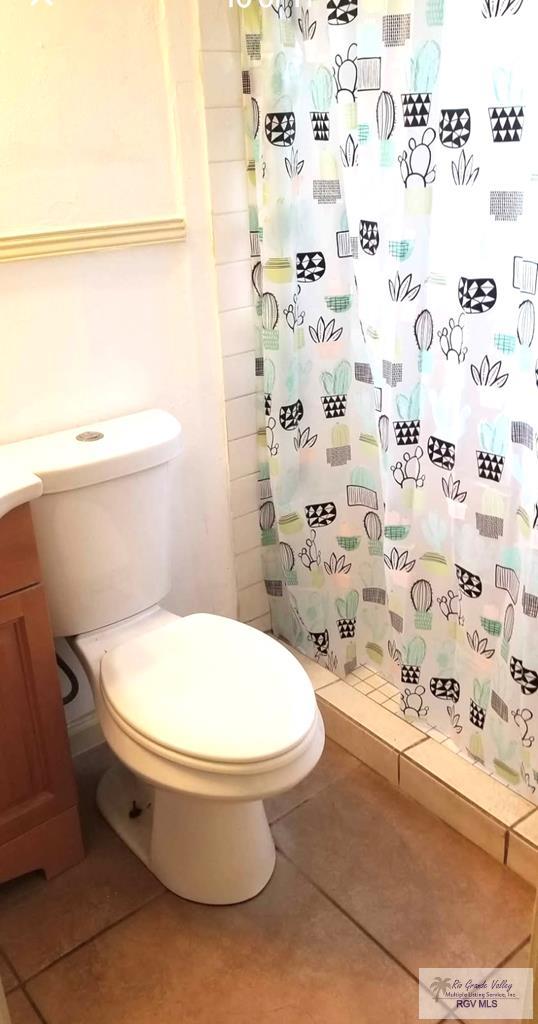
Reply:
x=393 y=168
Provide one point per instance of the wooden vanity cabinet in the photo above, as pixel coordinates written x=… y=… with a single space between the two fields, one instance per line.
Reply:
x=39 y=824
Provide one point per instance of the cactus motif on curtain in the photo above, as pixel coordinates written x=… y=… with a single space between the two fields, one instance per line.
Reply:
x=395 y=268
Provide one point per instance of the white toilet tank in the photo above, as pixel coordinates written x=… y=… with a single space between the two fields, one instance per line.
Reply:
x=103 y=522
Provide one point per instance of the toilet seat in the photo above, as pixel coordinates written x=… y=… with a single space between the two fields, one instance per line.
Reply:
x=209 y=690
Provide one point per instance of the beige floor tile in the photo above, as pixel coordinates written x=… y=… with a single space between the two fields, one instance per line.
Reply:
x=390 y=690
x=7 y=976
x=522 y=858
x=461 y=815
x=20 y=1009
x=362 y=672
x=286 y=957
x=376 y=681
x=363 y=688
x=488 y=794
x=394 y=707
x=40 y=920
x=319 y=675
x=362 y=744
x=376 y=719
x=521 y=958
x=378 y=696
x=423 y=891
x=335 y=762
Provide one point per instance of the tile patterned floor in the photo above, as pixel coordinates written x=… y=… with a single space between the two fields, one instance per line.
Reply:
x=368 y=886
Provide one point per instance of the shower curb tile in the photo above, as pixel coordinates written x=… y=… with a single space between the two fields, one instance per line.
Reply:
x=453 y=809
x=522 y=857
x=372 y=717
x=527 y=828
x=373 y=752
x=501 y=803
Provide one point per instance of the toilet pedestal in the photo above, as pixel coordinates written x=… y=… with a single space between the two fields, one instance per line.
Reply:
x=208 y=851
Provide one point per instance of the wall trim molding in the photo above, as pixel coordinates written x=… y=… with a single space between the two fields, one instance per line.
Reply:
x=91 y=239
x=84 y=733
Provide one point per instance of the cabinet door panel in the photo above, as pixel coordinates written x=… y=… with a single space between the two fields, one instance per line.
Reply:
x=36 y=777
x=19 y=564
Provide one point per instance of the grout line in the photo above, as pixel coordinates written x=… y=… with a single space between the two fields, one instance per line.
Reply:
x=86 y=942
x=514 y=951
x=346 y=913
x=523 y=818
x=11 y=967
x=33 y=1004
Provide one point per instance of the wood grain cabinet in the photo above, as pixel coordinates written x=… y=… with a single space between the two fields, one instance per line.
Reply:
x=39 y=824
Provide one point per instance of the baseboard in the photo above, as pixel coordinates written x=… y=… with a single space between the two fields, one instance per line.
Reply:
x=84 y=733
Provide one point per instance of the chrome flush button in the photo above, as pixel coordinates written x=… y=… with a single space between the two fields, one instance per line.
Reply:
x=89 y=435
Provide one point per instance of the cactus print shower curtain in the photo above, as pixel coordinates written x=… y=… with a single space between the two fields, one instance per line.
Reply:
x=393 y=171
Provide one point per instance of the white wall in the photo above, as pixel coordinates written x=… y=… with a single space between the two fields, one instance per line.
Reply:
x=224 y=117
x=91 y=336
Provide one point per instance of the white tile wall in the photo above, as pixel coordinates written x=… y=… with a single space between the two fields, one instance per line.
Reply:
x=221 y=69
x=237 y=328
x=241 y=416
x=225 y=139
x=234 y=285
x=239 y=376
x=231 y=236
x=244 y=495
x=228 y=186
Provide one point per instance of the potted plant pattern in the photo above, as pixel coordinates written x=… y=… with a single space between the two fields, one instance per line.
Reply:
x=386 y=120
x=347 y=614
x=413 y=656
x=340 y=451
x=336 y=386
x=424 y=72
x=280 y=269
x=442 y=444
x=490 y=456
x=326 y=188
x=267 y=523
x=326 y=334
x=321 y=89
x=490 y=621
x=407 y=427
x=268 y=384
x=423 y=331
x=348 y=539
x=287 y=559
x=507 y=118
x=422 y=600
x=374 y=532
x=361 y=490
x=269 y=321
x=479 y=703
x=490 y=520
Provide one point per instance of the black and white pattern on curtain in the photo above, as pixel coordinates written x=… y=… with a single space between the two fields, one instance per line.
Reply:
x=393 y=174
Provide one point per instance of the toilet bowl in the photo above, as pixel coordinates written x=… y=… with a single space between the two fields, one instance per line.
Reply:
x=200 y=745
x=207 y=716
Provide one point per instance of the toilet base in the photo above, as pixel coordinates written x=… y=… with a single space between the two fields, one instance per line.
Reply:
x=208 y=851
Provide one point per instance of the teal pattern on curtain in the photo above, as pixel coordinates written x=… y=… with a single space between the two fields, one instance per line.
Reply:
x=392 y=161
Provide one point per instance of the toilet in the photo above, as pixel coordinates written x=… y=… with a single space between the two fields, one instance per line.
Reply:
x=207 y=716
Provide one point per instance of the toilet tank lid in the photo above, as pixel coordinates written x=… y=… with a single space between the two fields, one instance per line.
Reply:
x=97 y=452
